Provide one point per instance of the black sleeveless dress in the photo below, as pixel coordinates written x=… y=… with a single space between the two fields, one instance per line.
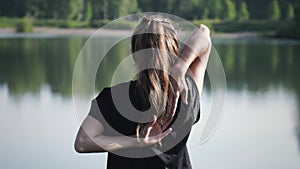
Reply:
x=117 y=109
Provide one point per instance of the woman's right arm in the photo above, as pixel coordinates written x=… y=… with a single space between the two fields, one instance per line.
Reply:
x=193 y=60
x=90 y=138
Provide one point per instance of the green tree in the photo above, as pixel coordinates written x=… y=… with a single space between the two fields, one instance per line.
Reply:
x=118 y=8
x=64 y=9
x=290 y=13
x=13 y=8
x=158 y=5
x=243 y=13
x=99 y=9
x=273 y=12
x=197 y=9
x=297 y=11
x=133 y=6
x=184 y=9
x=215 y=8
x=229 y=11
x=88 y=13
x=76 y=9
x=33 y=8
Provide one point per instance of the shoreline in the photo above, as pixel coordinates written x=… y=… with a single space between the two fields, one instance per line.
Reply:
x=4 y=32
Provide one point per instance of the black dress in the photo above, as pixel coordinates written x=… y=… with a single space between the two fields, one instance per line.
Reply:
x=117 y=109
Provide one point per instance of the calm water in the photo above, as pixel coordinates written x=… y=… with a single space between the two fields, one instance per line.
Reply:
x=260 y=128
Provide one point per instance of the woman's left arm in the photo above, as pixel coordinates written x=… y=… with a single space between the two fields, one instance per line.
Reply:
x=90 y=138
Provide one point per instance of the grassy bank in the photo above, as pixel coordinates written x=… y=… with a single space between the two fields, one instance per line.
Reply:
x=9 y=22
x=262 y=26
x=290 y=30
x=268 y=28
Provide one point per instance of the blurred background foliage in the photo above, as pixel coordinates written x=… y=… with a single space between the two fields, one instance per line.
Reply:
x=82 y=10
x=220 y=15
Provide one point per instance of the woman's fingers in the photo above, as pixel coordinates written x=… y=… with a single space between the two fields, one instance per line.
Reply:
x=184 y=93
x=183 y=89
x=148 y=132
x=158 y=138
x=154 y=120
x=167 y=123
x=180 y=86
x=149 y=140
x=149 y=129
x=175 y=101
x=172 y=102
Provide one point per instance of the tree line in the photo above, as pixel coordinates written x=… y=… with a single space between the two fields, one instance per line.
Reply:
x=83 y=10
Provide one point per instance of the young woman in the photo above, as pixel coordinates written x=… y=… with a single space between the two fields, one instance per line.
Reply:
x=166 y=96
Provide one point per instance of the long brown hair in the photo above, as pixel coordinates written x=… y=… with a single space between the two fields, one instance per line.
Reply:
x=158 y=35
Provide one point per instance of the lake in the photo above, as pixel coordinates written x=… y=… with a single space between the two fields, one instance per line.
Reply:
x=260 y=127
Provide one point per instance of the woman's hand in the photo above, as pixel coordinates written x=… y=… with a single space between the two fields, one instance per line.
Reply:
x=179 y=85
x=154 y=132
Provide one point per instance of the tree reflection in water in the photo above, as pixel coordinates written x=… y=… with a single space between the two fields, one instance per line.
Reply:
x=255 y=65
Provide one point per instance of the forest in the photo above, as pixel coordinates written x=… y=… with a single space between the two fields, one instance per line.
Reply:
x=188 y=9
x=222 y=15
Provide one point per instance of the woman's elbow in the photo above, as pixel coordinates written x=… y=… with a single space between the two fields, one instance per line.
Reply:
x=79 y=145
x=86 y=145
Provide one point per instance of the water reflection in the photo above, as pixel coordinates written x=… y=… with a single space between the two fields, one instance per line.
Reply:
x=297 y=128
x=28 y=64
x=259 y=66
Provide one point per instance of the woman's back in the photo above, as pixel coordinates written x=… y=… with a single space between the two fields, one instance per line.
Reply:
x=111 y=107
